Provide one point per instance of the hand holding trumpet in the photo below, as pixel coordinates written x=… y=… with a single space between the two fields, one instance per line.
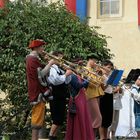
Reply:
x=68 y=72
x=52 y=61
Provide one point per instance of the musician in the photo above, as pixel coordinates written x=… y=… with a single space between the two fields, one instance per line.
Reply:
x=106 y=101
x=93 y=93
x=135 y=90
x=36 y=89
x=59 y=80
x=117 y=106
x=78 y=118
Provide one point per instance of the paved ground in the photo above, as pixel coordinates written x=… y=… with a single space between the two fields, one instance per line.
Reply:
x=112 y=139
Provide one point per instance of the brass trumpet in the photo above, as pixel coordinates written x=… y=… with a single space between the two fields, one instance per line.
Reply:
x=98 y=68
x=84 y=73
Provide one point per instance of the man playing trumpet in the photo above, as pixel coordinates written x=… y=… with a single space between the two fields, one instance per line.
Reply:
x=93 y=93
x=37 y=90
x=106 y=102
x=59 y=80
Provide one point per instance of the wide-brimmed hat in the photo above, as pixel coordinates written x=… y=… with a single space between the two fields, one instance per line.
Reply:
x=36 y=43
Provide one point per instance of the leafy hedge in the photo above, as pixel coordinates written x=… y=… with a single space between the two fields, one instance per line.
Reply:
x=22 y=22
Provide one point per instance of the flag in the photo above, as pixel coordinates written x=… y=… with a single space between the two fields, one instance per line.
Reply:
x=78 y=7
x=138 y=12
x=2 y=3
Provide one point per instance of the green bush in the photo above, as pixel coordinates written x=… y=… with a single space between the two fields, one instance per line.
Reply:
x=21 y=22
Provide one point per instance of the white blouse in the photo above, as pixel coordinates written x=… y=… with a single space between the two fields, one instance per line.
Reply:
x=109 y=88
x=56 y=79
x=134 y=91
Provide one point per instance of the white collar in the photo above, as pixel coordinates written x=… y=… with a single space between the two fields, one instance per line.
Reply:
x=34 y=53
x=135 y=86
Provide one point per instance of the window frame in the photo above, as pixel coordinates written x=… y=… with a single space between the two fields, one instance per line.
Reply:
x=109 y=15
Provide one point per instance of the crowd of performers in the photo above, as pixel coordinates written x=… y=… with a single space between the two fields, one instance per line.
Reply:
x=90 y=107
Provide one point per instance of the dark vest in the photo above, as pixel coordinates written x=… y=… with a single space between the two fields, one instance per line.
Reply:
x=136 y=104
x=60 y=91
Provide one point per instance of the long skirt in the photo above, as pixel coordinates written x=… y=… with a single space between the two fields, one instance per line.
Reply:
x=79 y=127
x=96 y=118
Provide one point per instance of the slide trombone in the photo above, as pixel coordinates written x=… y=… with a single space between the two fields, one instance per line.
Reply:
x=91 y=76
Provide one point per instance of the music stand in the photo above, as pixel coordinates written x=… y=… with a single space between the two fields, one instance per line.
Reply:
x=131 y=132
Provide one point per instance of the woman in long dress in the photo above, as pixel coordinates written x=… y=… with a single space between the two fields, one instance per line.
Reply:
x=78 y=119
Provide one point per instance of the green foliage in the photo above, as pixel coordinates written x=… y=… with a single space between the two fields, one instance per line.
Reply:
x=22 y=22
